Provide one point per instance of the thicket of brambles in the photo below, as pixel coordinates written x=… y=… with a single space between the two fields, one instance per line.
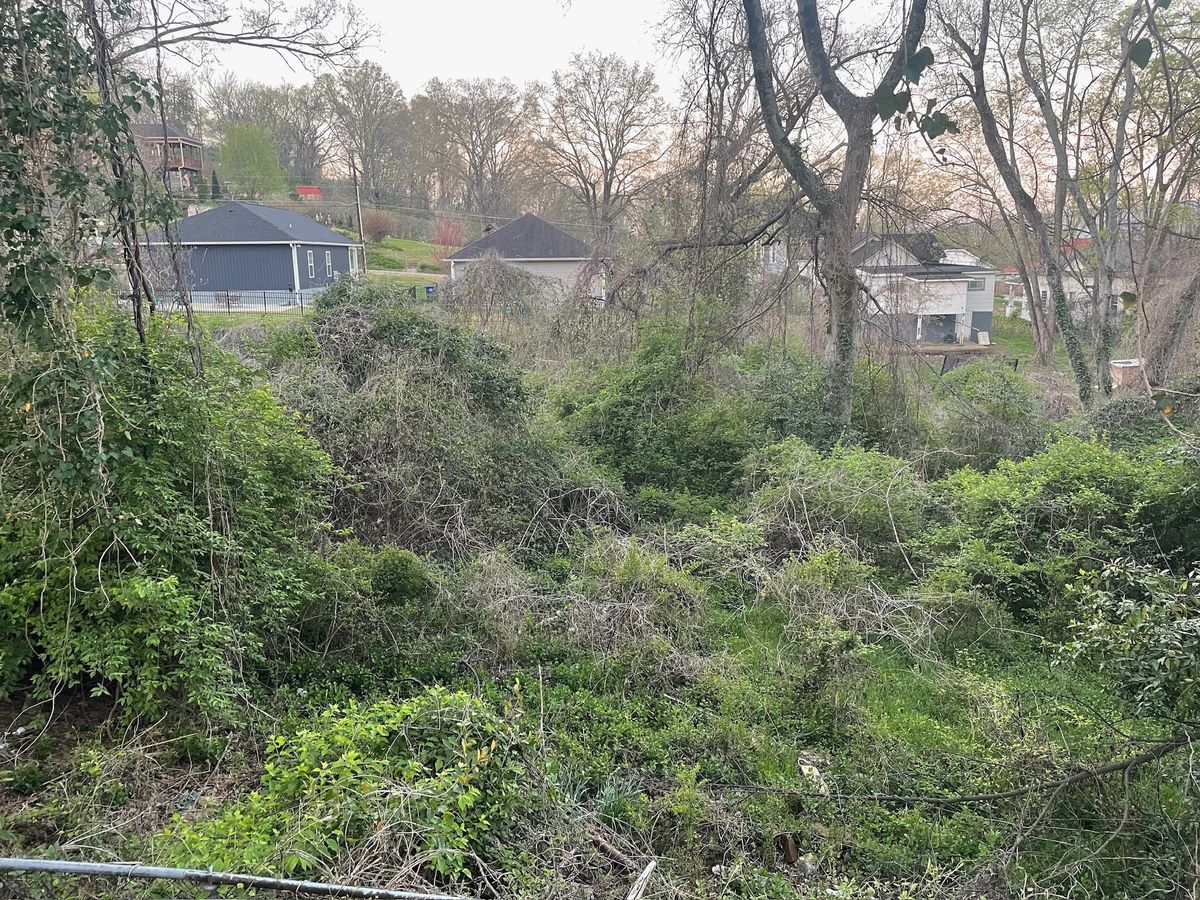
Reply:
x=509 y=599
x=371 y=604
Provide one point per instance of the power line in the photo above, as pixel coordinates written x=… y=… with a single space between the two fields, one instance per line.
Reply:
x=390 y=207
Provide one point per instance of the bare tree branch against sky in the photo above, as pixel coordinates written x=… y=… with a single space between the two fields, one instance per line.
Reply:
x=523 y=41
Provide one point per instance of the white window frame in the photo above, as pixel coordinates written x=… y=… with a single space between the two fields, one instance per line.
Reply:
x=974 y=285
x=312 y=266
x=328 y=263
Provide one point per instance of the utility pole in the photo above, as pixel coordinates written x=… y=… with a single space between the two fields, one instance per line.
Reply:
x=362 y=238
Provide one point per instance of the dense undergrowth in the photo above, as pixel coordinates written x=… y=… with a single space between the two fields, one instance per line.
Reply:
x=367 y=603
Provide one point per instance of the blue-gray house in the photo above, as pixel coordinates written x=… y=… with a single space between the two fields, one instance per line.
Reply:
x=238 y=249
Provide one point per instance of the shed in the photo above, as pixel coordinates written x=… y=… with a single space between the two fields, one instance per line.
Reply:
x=244 y=247
x=533 y=244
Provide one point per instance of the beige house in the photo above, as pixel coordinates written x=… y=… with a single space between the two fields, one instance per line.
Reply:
x=565 y=263
x=920 y=291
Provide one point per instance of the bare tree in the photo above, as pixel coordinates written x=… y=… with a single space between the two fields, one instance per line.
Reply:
x=372 y=124
x=601 y=130
x=1047 y=234
x=835 y=198
x=187 y=28
x=486 y=125
x=298 y=118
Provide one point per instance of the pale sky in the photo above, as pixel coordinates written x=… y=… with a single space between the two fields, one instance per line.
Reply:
x=523 y=40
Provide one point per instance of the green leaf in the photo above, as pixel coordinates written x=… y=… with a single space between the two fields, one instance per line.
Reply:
x=1140 y=52
x=936 y=125
x=888 y=105
x=916 y=64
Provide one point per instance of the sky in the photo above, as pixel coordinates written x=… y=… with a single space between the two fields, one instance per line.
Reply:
x=523 y=40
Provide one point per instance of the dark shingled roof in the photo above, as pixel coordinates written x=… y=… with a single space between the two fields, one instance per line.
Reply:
x=155 y=131
x=925 y=247
x=526 y=238
x=233 y=223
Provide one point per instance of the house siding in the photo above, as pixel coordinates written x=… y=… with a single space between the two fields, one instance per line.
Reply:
x=563 y=275
x=341 y=265
x=239 y=268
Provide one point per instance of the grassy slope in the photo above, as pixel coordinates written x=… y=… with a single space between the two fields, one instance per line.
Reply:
x=753 y=734
x=399 y=254
x=1015 y=337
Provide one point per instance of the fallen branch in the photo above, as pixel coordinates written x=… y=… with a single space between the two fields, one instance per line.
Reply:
x=1126 y=765
x=639 y=886
x=606 y=847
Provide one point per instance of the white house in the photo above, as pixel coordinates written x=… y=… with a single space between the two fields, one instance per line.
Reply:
x=929 y=293
x=542 y=249
x=925 y=292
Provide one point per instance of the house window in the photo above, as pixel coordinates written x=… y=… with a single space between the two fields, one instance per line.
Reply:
x=328 y=264
x=976 y=284
x=312 y=267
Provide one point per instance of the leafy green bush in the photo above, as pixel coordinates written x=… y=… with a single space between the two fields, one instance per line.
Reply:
x=1024 y=530
x=988 y=413
x=869 y=499
x=630 y=595
x=1142 y=626
x=727 y=553
x=400 y=577
x=885 y=414
x=791 y=388
x=661 y=425
x=433 y=429
x=441 y=776
x=155 y=522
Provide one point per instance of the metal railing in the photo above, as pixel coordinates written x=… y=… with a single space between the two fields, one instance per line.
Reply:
x=210 y=879
x=233 y=302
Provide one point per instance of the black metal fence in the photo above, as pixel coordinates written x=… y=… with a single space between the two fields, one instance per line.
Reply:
x=234 y=302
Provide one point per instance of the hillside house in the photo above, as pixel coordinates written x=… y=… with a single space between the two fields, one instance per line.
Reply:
x=930 y=293
x=926 y=292
x=168 y=149
x=566 y=264
x=237 y=249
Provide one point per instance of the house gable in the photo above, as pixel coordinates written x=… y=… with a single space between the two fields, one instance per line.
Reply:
x=529 y=238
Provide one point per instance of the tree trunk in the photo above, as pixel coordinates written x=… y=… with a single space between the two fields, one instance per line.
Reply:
x=1160 y=353
x=842 y=289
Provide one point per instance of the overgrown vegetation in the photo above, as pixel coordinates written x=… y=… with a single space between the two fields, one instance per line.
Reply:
x=356 y=598
x=746 y=644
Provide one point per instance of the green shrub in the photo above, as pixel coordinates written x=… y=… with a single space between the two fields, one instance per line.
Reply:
x=885 y=414
x=792 y=390
x=154 y=521
x=727 y=553
x=661 y=425
x=440 y=776
x=434 y=430
x=1141 y=625
x=400 y=577
x=869 y=499
x=629 y=595
x=1024 y=530
x=988 y=412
